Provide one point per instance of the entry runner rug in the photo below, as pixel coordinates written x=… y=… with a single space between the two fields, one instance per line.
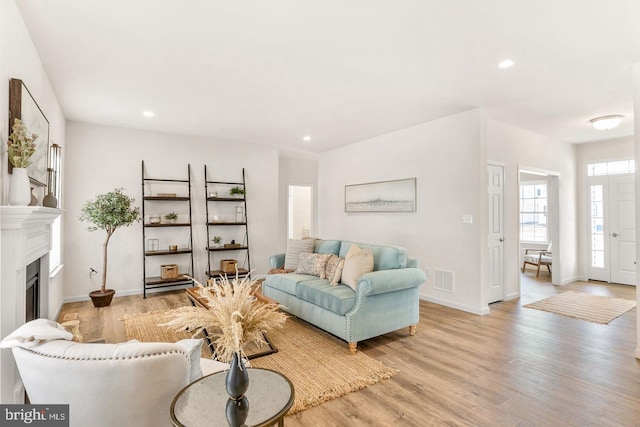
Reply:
x=318 y=364
x=593 y=308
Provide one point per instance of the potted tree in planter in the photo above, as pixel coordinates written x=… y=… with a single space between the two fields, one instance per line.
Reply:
x=108 y=212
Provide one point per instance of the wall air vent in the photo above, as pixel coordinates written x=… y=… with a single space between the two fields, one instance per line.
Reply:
x=444 y=280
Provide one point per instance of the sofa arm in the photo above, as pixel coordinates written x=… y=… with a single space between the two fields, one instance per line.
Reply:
x=276 y=261
x=391 y=280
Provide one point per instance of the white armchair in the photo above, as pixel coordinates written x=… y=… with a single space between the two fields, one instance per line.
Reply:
x=538 y=258
x=127 y=384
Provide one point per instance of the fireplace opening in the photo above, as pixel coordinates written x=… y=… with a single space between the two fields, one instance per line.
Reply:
x=33 y=291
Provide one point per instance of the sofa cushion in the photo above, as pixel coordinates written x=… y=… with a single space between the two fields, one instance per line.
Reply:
x=384 y=257
x=356 y=263
x=287 y=282
x=338 y=299
x=294 y=247
x=312 y=264
x=327 y=246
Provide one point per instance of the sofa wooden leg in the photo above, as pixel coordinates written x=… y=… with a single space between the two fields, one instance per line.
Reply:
x=412 y=330
x=352 y=347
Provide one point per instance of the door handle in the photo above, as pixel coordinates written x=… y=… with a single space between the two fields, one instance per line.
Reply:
x=614 y=234
x=502 y=239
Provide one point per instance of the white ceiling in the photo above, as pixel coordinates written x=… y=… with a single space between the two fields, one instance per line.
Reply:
x=272 y=71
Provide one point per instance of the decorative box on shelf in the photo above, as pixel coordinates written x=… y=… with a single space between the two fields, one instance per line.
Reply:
x=169 y=271
x=228 y=265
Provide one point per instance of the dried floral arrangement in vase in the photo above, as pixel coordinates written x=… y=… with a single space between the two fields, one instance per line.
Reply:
x=234 y=319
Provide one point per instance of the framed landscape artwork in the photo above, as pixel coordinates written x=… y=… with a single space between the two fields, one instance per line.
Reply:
x=23 y=106
x=385 y=196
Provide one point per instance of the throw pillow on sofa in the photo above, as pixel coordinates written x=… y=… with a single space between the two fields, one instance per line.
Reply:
x=294 y=247
x=356 y=263
x=312 y=264
x=333 y=270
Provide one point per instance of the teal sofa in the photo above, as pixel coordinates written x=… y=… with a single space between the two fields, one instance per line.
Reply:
x=385 y=300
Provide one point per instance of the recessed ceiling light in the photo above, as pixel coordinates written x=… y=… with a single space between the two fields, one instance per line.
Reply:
x=148 y=113
x=507 y=63
x=606 y=122
x=306 y=138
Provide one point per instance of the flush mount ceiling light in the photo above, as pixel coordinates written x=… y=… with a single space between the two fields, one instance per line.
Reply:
x=306 y=138
x=606 y=122
x=507 y=63
x=148 y=113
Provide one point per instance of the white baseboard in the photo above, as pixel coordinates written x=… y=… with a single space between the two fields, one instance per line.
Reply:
x=512 y=296
x=570 y=280
x=473 y=310
x=120 y=294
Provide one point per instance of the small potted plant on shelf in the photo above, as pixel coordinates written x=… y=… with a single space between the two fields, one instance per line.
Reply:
x=171 y=217
x=237 y=192
x=108 y=212
x=216 y=241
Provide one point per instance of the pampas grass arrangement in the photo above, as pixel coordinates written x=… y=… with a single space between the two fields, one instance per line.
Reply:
x=234 y=318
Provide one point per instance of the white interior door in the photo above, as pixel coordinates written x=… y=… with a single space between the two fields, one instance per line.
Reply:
x=496 y=232
x=622 y=226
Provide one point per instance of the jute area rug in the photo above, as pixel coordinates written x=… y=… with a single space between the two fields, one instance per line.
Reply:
x=318 y=364
x=593 y=308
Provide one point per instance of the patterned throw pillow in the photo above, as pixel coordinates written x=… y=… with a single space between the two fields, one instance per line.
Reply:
x=294 y=247
x=333 y=270
x=312 y=264
x=356 y=263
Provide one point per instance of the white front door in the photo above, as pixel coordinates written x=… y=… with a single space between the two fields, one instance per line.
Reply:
x=622 y=227
x=612 y=229
x=496 y=232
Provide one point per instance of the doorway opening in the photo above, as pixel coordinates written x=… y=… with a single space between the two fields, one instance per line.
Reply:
x=539 y=205
x=300 y=211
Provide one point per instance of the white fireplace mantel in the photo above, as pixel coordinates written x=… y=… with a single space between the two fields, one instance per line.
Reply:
x=25 y=236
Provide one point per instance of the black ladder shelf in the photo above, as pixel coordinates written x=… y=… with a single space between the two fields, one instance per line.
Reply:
x=150 y=253
x=216 y=195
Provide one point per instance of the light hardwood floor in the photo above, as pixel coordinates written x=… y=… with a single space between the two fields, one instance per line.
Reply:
x=514 y=367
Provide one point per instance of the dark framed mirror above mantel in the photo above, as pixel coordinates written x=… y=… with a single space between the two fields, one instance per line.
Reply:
x=23 y=106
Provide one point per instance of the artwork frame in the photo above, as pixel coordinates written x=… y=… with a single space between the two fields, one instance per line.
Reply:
x=383 y=196
x=23 y=106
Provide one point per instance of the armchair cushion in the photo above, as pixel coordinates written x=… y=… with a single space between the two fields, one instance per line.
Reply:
x=193 y=347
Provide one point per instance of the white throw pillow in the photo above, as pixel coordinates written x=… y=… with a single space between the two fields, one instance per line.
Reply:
x=193 y=347
x=294 y=247
x=36 y=332
x=357 y=262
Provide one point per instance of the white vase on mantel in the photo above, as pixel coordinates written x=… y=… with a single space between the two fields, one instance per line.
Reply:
x=19 y=188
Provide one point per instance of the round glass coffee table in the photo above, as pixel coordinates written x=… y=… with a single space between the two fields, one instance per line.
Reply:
x=205 y=402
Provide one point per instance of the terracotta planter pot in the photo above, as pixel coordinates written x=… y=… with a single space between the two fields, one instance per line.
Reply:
x=101 y=299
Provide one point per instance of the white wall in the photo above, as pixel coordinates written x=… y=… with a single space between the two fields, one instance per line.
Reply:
x=447 y=158
x=521 y=148
x=101 y=158
x=594 y=152
x=19 y=59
